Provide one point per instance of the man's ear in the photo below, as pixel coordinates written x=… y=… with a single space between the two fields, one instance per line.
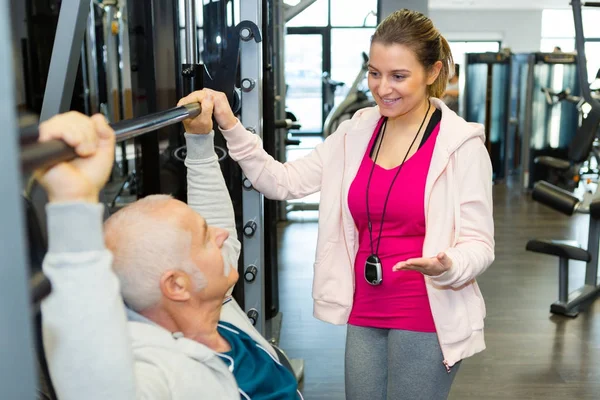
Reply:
x=176 y=285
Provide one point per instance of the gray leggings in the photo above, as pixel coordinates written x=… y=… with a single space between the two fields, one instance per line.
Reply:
x=384 y=364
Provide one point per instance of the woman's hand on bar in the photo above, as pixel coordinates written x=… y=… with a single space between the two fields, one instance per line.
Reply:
x=83 y=178
x=212 y=103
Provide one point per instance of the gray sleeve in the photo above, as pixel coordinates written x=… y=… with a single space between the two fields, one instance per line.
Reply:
x=85 y=333
x=207 y=192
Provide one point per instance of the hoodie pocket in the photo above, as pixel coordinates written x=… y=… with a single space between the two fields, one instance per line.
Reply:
x=332 y=280
x=475 y=306
x=457 y=313
x=451 y=316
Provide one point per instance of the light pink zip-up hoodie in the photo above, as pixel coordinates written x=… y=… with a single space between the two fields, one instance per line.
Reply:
x=458 y=216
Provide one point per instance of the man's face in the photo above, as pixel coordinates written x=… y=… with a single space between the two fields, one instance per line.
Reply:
x=206 y=247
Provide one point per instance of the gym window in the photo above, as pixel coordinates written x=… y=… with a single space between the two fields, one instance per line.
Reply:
x=558 y=30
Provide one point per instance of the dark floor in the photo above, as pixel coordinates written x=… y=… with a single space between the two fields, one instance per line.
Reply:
x=530 y=354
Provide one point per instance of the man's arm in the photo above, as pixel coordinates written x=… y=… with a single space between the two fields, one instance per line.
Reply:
x=84 y=325
x=85 y=333
x=207 y=191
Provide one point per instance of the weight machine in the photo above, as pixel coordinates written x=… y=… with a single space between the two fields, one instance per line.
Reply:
x=135 y=37
x=569 y=304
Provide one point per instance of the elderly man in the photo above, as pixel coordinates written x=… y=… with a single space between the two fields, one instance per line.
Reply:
x=149 y=327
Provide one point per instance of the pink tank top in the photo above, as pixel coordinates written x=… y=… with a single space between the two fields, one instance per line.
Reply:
x=400 y=301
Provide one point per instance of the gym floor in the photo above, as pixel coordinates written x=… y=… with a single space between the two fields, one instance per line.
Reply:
x=530 y=353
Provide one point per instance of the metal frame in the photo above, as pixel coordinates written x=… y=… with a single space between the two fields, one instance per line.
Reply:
x=271 y=139
x=580 y=47
x=591 y=272
x=17 y=377
x=526 y=133
x=157 y=77
x=253 y=202
x=70 y=33
x=325 y=33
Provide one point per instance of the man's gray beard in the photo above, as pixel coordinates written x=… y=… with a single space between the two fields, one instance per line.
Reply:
x=229 y=259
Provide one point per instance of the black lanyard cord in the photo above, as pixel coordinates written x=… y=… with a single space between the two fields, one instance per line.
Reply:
x=387 y=197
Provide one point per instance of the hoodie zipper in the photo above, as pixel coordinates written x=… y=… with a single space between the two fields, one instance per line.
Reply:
x=448 y=166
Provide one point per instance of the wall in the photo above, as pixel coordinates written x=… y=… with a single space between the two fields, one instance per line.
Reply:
x=520 y=30
x=386 y=7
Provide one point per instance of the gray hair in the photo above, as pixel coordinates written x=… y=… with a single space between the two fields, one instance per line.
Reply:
x=144 y=246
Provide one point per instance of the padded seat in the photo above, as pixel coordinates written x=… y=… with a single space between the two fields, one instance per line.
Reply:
x=555 y=163
x=559 y=248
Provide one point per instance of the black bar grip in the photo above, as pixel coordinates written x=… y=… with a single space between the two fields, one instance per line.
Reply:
x=280 y=124
x=287 y=124
x=595 y=209
x=554 y=197
x=39 y=287
x=591 y=4
x=292 y=142
x=44 y=155
x=131 y=128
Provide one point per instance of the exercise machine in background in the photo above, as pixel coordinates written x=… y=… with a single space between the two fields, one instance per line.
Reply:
x=583 y=156
x=541 y=129
x=358 y=97
x=486 y=100
x=570 y=304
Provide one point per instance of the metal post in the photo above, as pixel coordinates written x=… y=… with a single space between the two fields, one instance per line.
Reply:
x=190 y=69
x=17 y=373
x=253 y=241
x=86 y=83
x=125 y=59
x=65 y=57
x=126 y=98
x=563 y=280
x=507 y=136
x=191 y=42
x=526 y=133
x=111 y=61
x=280 y=92
x=92 y=61
x=463 y=98
x=591 y=270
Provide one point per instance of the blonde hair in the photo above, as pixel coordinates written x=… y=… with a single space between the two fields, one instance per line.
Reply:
x=417 y=32
x=145 y=244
